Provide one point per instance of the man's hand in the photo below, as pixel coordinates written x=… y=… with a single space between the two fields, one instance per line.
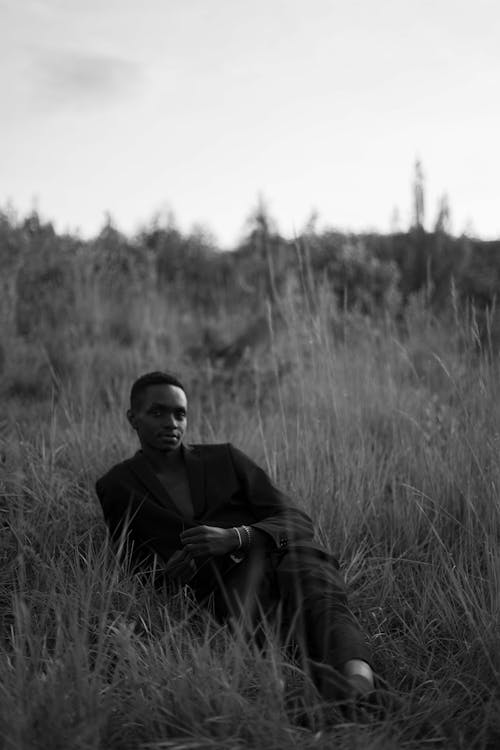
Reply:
x=181 y=566
x=204 y=541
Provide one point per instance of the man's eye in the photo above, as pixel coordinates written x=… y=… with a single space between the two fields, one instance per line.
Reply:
x=180 y=414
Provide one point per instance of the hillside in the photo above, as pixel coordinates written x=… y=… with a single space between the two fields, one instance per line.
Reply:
x=362 y=372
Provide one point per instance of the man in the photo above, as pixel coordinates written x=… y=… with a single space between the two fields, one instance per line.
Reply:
x=215 y=521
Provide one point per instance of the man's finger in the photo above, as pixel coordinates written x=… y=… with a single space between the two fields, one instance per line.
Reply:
x=189 y=533
x=178 y=555
x=178 y=558
x=180 y=565
x=195 y=539
x=188 y=543
x=194 y=548
x=173 y=560
x=182 y=569
x=197 y=550
x=192 y=537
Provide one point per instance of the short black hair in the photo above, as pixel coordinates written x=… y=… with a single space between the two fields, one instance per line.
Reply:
x=152 y=378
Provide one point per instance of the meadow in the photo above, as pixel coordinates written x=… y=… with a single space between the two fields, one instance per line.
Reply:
x=385 y=428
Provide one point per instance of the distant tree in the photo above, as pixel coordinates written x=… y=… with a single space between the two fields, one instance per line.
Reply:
x=264 y=240
x=418 y=196
x=118 y=261
x=260 y=225
x=443 y=217
x=44 y=281
x=311 y=225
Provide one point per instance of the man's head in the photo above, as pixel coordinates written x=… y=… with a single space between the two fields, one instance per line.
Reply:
x=158 y=411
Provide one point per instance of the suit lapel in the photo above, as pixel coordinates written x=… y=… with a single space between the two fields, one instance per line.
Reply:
x=144 y=472
x=195 y=467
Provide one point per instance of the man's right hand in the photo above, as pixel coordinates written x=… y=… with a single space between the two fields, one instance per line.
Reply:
x=181 y=566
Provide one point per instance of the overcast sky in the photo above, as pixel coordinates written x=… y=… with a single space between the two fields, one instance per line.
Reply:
x=199 y=106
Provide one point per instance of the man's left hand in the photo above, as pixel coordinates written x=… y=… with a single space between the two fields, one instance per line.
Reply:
x=205 y=541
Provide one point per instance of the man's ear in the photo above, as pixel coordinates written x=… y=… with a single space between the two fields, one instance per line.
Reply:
x=131 y=418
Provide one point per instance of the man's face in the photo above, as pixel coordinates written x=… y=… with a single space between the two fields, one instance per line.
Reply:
x=160 y=417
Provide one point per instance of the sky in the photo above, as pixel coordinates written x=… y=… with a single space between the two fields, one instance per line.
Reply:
x=198 y=109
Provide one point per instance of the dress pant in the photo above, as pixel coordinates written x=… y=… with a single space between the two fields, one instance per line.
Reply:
x=303 y=589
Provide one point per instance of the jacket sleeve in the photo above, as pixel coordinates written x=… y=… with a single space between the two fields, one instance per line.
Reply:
x=126 y=535
x=277 y=516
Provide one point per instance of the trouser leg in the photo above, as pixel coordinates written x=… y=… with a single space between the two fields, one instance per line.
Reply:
x=313 y=592
x=307 y=589
x=244 y=592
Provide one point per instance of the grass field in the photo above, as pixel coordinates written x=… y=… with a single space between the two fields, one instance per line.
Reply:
x=387 y=434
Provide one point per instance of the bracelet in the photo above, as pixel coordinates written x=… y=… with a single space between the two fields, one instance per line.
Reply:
x=249 y=535
x=240 y=541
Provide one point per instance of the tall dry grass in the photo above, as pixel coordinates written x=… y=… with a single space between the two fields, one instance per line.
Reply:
x=387 y=434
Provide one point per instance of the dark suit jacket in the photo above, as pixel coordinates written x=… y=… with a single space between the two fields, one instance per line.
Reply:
x=227 y=489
